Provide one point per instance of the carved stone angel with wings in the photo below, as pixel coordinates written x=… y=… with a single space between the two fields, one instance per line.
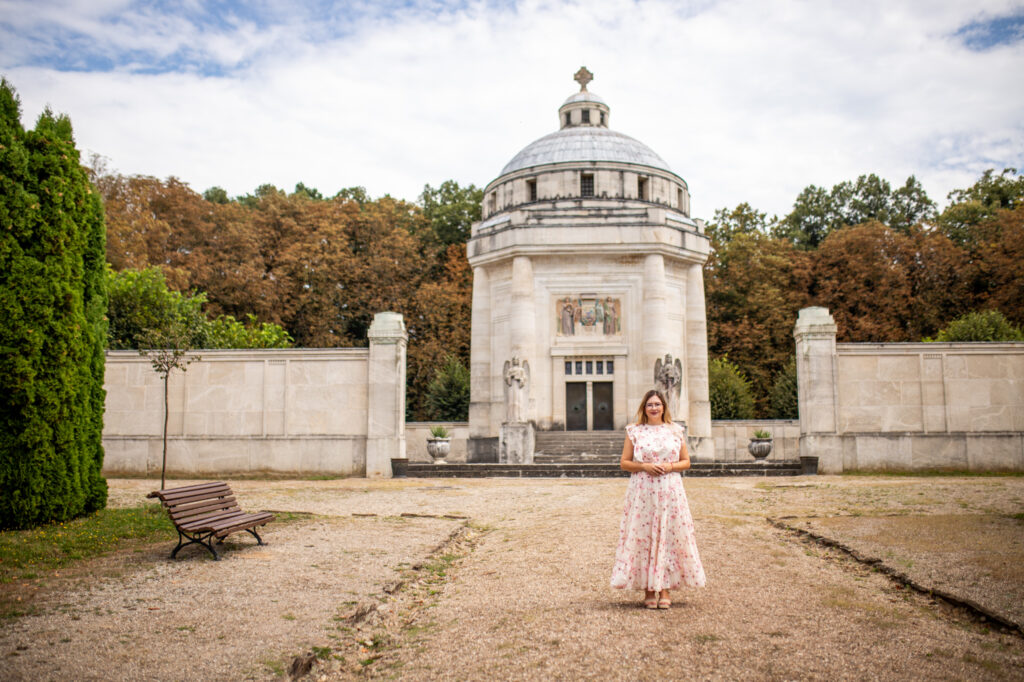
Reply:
x=517 y=379
x=668 y=377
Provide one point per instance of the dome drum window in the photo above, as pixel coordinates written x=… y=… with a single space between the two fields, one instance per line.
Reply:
x=586 y=184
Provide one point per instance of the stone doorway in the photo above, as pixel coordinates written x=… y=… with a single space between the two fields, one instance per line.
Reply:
x=589 y=406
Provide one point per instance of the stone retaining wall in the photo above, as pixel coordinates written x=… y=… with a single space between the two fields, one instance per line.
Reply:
x=908 y=406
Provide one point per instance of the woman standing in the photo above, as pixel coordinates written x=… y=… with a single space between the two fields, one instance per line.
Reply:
x=657 y=549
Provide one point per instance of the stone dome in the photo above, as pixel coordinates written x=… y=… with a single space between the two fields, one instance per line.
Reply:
x=585 y=143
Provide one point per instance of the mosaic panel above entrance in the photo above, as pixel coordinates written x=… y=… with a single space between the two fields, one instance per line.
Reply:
x=583 y=315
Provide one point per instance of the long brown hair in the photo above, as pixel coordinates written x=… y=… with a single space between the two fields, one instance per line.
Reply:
x=641 y=414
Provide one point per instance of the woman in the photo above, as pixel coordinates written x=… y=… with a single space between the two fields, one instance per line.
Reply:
x=657 y=550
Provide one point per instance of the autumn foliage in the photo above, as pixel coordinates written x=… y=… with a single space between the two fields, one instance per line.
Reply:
x=886 y=263
x=320 y=268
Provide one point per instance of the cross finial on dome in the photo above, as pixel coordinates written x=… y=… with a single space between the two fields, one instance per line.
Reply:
x=583 y=76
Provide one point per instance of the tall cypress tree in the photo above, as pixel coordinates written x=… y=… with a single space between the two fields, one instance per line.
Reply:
x=52 y=303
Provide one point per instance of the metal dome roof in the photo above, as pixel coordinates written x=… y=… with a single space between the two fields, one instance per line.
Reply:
x=583 y=96
x=585 y=143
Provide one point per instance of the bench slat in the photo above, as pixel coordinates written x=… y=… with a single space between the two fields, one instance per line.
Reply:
x=207 y=522
x=202 y=507
x=208 y=494
x=171 y=493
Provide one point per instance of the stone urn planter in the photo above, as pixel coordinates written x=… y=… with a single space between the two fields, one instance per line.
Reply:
x=439 y=444
x=760 y=445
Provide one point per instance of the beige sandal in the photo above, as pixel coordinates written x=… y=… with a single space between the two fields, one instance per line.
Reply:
x=664 y=603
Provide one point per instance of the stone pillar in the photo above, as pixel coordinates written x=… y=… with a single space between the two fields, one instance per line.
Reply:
x=699 y=414
x=516 y=438
x=482 y=445
x=523 y=316
x=385 y=396
x=815 y=334
x=655 y=321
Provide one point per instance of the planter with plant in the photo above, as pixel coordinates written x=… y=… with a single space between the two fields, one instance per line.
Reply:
x=439 y=444
x=760 y=445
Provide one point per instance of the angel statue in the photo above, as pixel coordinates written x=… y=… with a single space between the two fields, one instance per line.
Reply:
x=668 y=376
x=517 y=379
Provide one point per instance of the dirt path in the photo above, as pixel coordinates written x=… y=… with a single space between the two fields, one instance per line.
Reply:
x=524 y=594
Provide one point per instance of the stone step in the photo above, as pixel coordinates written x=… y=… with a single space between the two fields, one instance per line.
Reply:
x=585 y=470
x=577 y=443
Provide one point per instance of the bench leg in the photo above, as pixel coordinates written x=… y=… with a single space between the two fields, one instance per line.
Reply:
x=198 y=539
x=259 y=540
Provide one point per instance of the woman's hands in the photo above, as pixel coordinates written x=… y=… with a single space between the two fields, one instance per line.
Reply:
x=658 y=468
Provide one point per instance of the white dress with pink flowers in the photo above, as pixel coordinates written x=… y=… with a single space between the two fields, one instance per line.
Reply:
x=657 y=548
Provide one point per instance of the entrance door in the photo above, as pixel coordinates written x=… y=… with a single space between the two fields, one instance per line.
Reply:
x=575 y=406
x=603 y=417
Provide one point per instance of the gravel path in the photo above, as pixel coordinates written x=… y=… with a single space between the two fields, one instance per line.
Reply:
x=524 y=594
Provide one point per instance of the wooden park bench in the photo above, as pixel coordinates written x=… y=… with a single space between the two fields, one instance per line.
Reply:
x=206 y=511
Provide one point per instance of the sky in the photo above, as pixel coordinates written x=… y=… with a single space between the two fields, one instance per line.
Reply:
x=747 y=100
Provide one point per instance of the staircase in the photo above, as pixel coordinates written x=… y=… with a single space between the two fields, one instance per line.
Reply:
x=587 y=454
x=578 y=447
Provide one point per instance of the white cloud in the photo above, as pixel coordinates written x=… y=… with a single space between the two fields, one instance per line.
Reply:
x=749 y=101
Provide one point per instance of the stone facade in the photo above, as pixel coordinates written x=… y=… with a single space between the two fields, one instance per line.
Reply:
x=338 y=411
x=587 y=266
x=908 y=406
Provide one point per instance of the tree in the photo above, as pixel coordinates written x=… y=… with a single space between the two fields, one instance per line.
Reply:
x=755 y=286
x=143 y=310
x=52 y=299
x=783 y=401
x=987 y=325
x=168 y=350
x=881 y=285
x=216 y=195
x=743 y=219
x=447 y=396
x=451 y=210
x=225 y=331
x=729 y=391
x=141 y=302
x=980 y=202
x=817 y=213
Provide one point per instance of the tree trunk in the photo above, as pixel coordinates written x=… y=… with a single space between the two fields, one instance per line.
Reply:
x=163 y=468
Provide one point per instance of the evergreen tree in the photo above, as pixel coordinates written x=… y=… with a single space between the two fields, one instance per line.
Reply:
x=448 y=393
x=53 y=301
x=729 y=391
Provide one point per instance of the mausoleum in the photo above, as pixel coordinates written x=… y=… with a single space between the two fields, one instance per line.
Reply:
x=587 y=289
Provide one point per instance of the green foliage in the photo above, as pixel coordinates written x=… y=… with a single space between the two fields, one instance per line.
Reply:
x=144 y=309
x=451 y=210
x=447 y=396
x=743 y=219
x=226 y=332
x=307 y=192
x=141 y=303
x=988 y=325
x=978 y=203
x=438 y=432
x=52 y=301
x=782 y=401
x=729 y=390
x=817 y=212
x=761 y=433
x=216 y=195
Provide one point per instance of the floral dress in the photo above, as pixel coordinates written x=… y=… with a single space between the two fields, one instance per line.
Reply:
x=657 y=548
